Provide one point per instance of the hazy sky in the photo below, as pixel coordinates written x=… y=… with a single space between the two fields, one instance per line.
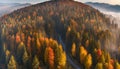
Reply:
x=38 y=1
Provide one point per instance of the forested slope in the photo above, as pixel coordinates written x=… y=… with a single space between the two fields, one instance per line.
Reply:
x=30 y=37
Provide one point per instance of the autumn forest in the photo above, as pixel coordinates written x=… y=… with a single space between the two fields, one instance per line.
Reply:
x=59 y=34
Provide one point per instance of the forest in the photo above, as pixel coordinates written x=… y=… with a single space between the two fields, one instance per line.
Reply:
x=59 y=35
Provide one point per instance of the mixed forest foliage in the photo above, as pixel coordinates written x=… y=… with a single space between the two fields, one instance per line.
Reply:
x=30 y=38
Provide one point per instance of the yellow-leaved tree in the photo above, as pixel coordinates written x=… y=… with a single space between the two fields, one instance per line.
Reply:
x=36 y=63
x=73 y=50
x=83 y=54
x=117 y=65
x=108 y=65
x=62 y=61
x=12 y=63
x=88 y=61
x=99 y=66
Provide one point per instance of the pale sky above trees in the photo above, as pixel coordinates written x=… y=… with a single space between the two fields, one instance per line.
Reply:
x=38 y=1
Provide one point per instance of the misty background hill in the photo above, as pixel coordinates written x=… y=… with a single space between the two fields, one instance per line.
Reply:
x=105 y=6
x=6 y=8
x=112 y=11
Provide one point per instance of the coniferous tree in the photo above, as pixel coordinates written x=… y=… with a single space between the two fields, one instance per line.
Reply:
x=51 y=58
x=12 y=63
x=99 y=66
x=88 y=61
x=25 y=59
x=117 y=65
x=73 y=50
x=46 y=55
x=58 y=52
x=83 y=54
x=62 y=61
x=36 y=63
x=20 y=51
x=7 y=55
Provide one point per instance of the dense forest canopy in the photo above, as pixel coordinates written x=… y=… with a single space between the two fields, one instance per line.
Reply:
x=53 y=33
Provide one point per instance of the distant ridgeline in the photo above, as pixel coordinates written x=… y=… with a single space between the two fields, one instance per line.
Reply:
x=34 y=37
x=6 y=8
x=105 y=6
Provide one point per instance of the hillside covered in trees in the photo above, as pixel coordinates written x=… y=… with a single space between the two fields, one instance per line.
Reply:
x=61 y=34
